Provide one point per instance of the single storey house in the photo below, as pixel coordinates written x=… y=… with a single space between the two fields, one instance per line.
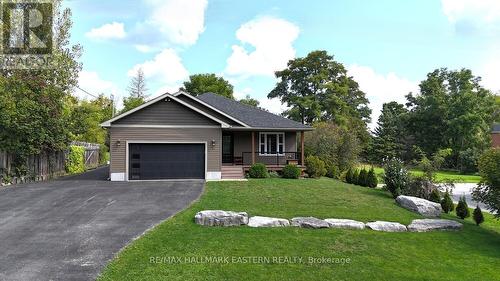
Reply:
x=495 y=135
x=179 y=136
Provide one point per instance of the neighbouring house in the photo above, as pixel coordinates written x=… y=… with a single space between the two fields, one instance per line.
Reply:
x=495 y=135
x=179 y=136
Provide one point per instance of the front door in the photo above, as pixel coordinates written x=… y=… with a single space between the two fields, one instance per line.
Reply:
x=227 y=148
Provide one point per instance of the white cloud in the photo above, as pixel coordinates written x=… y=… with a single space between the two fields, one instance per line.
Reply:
x=113 y=30
x=381 y=88
x=144 y=48
x=92 y=83
x=272 y=40
x=272 y=105
x=473 y=15
x=165 y=69
x=489 y=72
x=181 y=21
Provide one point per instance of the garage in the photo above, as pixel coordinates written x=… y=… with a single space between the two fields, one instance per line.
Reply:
x=163 y=161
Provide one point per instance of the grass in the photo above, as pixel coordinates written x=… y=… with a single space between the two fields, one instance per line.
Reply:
x=441 y=176
x=470 y=254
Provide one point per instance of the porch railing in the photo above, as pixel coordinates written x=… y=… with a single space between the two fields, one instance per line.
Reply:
x=284 y=158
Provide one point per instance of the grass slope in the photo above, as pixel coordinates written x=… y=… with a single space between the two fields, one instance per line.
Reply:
x=471 y=254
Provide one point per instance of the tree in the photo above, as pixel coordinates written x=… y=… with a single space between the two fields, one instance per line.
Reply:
x=208 y=83
x=86 y=117
x=430 y=166
x=137 y=92
x=335 y=145
x=435 y=196
x=250 y=101
x=372 y=178
x=395 y=176
x=390 y=136
x=452 y=110
x=462 y=209
x=488 y=191
x=137 y=87
x=317 y=88
x=447 y=203
x=478 y=216
x=33 y=111
x=362 y=179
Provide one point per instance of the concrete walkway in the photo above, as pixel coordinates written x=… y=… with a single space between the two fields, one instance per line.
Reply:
x=70 y=229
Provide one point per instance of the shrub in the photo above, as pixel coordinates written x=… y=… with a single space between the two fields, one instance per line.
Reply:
x=478 y=215
x=488 y=191
x=355 y=177
x=332 y=171
x=435 y=196
x=274 y=174
x=362 y=177
x=420 y=187
x=447 y=203
x=349 y=176
x=315 y=167
x=75 y=162
x=291 y=171
x=462 y=209
x=372 y=180
x=258 y=171
x=103 y=154
x=396 y=176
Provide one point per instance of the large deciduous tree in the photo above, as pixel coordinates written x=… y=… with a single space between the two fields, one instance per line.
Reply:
x=452 y=111
x=317 y=88
x=208 y=83
x=248 y=100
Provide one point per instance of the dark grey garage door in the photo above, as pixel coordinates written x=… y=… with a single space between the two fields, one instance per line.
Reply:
x=155 y=161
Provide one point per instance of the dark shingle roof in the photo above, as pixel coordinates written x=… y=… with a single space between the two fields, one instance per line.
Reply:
x=496 y=128
x=250 y=115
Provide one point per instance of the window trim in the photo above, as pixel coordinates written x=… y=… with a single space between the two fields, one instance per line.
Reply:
x=277 y=134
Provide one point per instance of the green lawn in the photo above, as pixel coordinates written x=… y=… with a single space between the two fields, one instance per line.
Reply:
x=441 y=176
x=470 y=254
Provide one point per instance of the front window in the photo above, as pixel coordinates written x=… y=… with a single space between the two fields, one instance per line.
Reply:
x=271 y=143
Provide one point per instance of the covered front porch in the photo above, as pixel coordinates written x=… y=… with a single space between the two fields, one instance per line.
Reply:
x=273 y=148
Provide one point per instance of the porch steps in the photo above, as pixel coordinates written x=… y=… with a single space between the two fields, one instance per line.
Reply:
x=232 y=172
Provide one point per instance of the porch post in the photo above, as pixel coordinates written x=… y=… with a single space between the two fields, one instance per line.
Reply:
x=302 y=148
x=253 y=147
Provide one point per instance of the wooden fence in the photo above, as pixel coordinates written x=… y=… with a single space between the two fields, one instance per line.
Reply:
x=45 y=165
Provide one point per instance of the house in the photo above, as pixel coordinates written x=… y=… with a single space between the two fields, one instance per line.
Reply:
x=179 y=136
x=495 y=135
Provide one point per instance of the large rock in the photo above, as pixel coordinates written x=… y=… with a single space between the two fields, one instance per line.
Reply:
x=343 y=223
x=424 y=207
x=267 y=222
x=309 y=222
x=386 y=226
x=423 y=225
x=221 y=218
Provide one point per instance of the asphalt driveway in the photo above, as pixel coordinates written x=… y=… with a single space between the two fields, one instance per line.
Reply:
x=70 y=229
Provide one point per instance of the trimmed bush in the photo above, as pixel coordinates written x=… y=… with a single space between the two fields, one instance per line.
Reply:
x=258 y=171
x=362 y=177
x=435 y=196
x=355 y=177
x=315 y=167
x=372 y=180
x=349 y=176
x=447 y=203
x=332 y=171
x=477 y=215
x=462 y=209
x=396 y=176
x=75 y=162
x=291 y=172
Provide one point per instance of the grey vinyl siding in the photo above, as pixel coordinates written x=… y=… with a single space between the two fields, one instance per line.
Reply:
x=118 y=157
x=209 y=111
x=165 y=113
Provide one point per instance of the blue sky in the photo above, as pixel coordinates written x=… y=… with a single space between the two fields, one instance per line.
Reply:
x=388 y=46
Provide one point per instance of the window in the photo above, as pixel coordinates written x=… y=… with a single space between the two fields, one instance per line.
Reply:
x=271 y=143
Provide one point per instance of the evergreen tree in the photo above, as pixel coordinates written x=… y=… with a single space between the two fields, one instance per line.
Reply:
x=348 y=176
x=372 y=179
x=447 y=203
x=462 y=208
x=137 y=92
x=478 y=216
x=435 y=196
x=362 y=177
x=355 y=177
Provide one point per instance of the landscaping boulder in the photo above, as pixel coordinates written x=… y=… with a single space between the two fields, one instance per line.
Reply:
x=221 y=218
x=424 y=207
x=386 y=226
x=343 y=223
x=267 y=222
x=424 y=225
x=309 y=222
